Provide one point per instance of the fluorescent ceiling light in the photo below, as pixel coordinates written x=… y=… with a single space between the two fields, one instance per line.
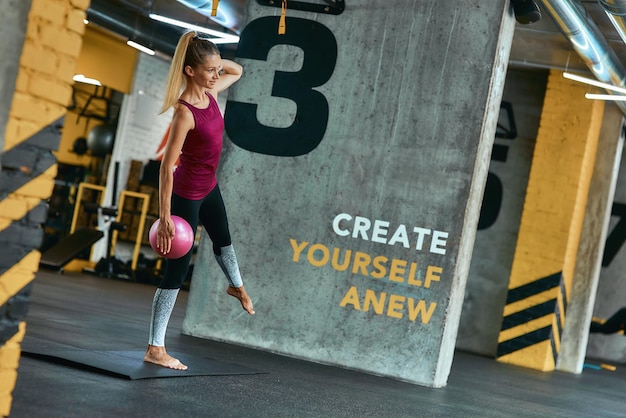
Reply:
x=221 y=37
x=594 y=82
x=612 y=97
x=82 y=79
x=140 y=47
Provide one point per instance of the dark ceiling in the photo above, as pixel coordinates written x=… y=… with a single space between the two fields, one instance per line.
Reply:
x=536 y=45
x=129 y=19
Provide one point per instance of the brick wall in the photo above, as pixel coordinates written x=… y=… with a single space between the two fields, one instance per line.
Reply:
x=37 y=107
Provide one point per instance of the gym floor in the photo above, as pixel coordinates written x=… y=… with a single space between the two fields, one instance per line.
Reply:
x=92 y=313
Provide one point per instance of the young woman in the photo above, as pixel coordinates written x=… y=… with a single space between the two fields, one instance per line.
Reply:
x=191 y=190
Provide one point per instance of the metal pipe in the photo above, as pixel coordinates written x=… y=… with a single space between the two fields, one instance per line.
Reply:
x=587 y=40
x=229 y=14
x=616 y=12
x=615 y=7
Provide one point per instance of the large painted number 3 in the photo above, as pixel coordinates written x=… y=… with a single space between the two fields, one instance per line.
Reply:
x=320 y=55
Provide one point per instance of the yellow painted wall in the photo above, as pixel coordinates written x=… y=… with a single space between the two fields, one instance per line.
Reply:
x=104 y=57
x=107 y=58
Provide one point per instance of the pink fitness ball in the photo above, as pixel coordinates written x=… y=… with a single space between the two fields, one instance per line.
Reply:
x=181 y=243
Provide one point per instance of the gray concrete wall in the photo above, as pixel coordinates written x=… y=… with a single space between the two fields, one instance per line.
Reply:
x=377 y=155
x=611 y=291
x=503 y=202
x=594 y=233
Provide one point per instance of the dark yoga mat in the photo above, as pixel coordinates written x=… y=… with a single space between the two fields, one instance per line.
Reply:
x=130 y=364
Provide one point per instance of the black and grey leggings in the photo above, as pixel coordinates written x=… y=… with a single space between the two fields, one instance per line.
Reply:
x=209 y=211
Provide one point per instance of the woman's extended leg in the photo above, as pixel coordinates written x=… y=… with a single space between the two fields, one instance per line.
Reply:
x=162 y=306
x=214 y=219
x=165 y=295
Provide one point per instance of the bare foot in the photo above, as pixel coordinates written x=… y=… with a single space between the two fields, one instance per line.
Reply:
x=240 y=293
x=158 y=356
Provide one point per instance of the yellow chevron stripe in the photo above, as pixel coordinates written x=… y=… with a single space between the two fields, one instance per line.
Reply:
x=18 y=276
x=10 y=360
x=10 y=355
x=27 y=197
x=529 y=302
x=537 y=356
x=525 y=328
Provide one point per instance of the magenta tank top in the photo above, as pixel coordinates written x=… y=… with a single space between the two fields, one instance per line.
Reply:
x=195 y=175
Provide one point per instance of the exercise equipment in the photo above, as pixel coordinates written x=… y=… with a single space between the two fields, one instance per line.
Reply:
x=110 y=266
x=100 y=140
x=182 y=241
x=143 y=212
x=57 y=256
x=129 y=364
x=79 y=239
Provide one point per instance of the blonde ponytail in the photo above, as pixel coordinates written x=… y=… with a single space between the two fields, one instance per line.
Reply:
x=175 y=77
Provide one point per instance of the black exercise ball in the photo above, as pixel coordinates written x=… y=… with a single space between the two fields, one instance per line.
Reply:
x=80 y=146
x=100 y=140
